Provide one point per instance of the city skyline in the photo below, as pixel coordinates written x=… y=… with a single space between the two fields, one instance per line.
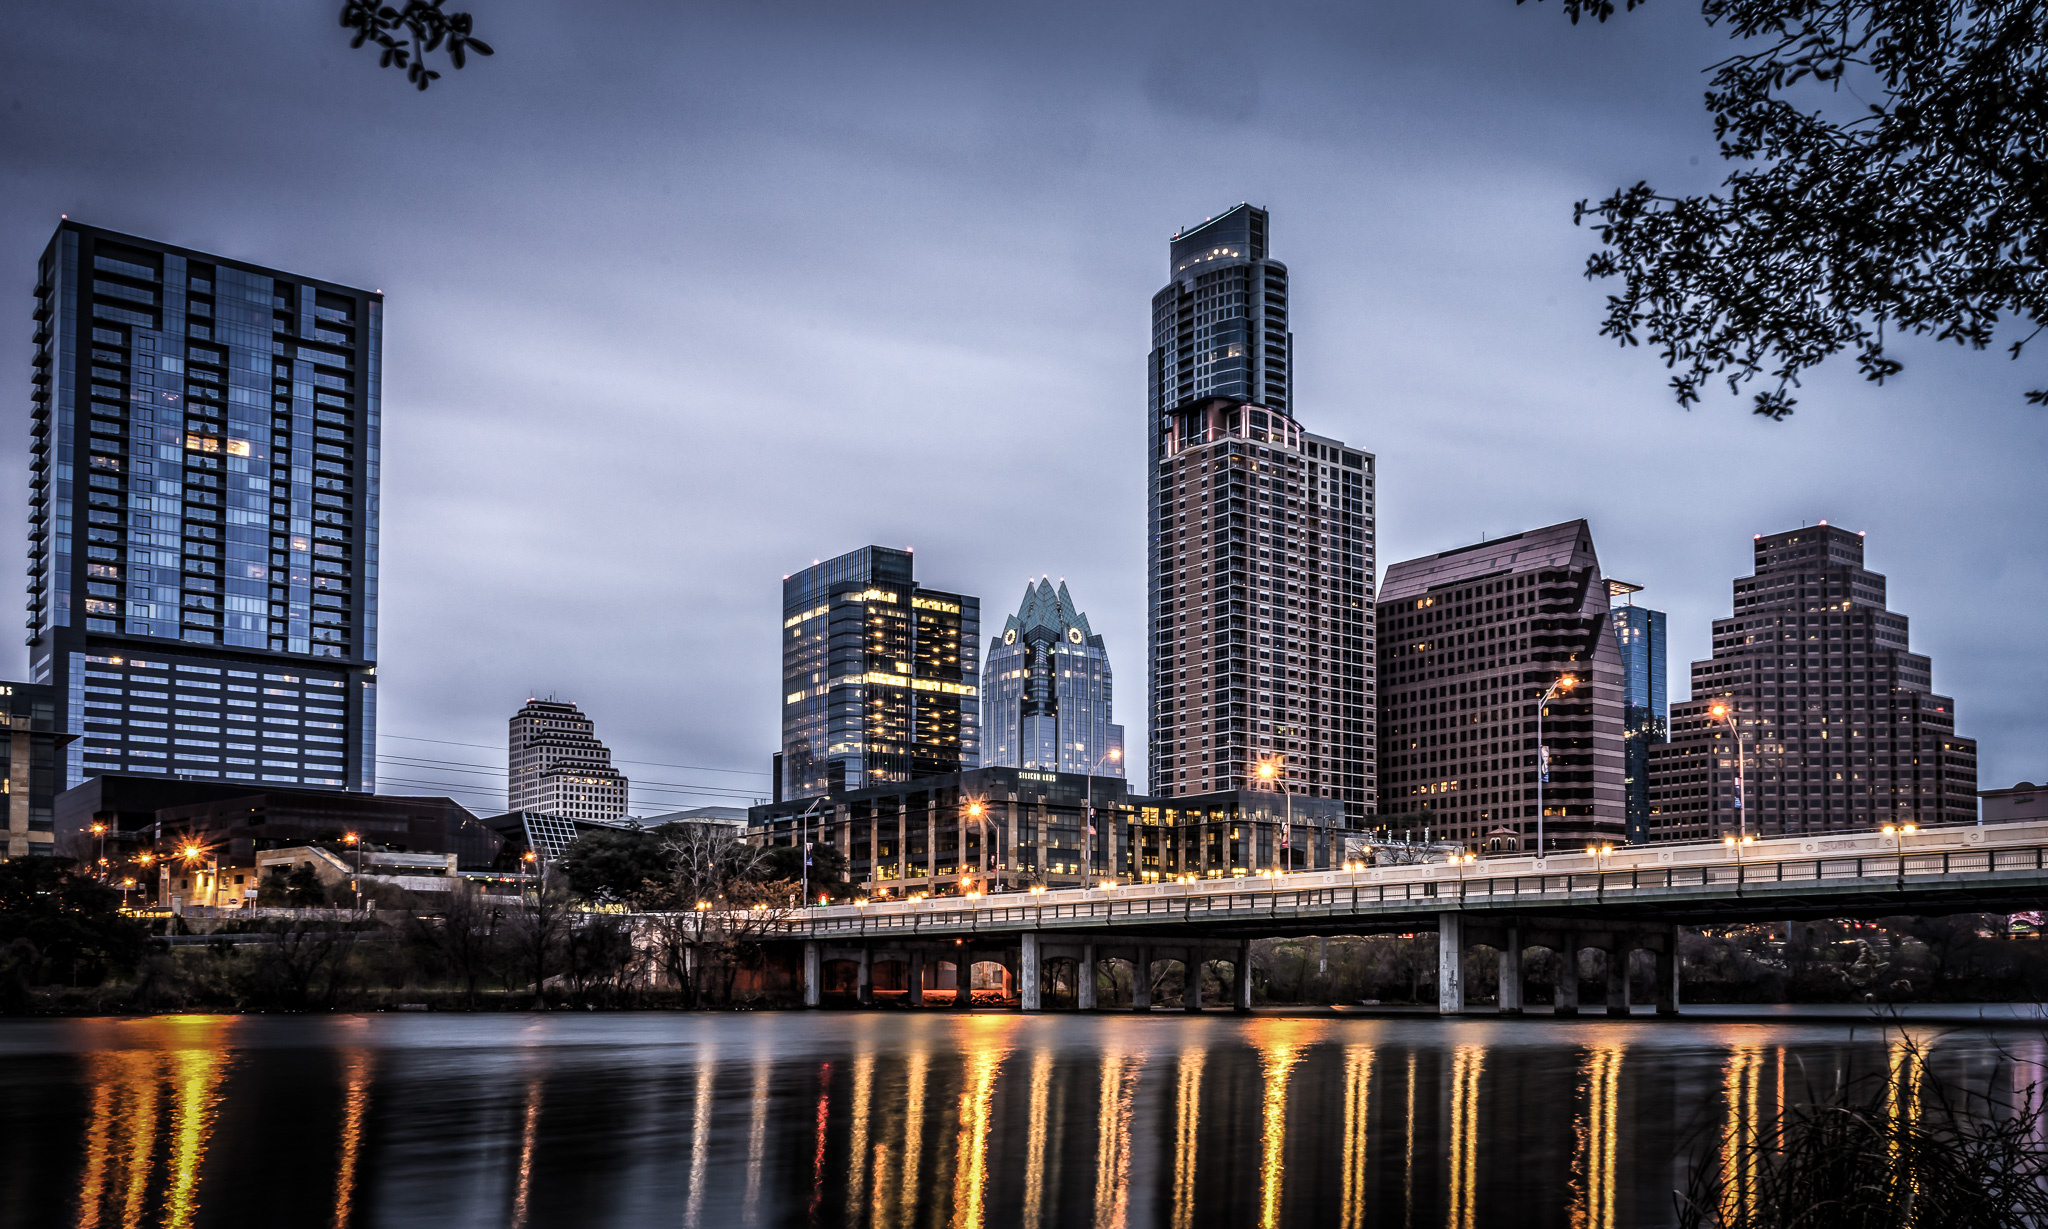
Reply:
x=1462 y=398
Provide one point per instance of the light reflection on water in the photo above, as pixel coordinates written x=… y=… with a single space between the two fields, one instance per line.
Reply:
x=890 y=1121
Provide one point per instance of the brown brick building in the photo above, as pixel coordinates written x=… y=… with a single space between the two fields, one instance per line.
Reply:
x=1840 y=726
x=1469 y=640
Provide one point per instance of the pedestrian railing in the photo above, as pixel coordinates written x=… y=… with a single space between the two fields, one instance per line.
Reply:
x=1948 y=860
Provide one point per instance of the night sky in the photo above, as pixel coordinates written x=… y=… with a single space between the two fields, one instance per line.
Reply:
x=680 y=301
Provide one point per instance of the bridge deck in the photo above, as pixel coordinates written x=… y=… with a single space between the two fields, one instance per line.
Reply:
x=1997 y=869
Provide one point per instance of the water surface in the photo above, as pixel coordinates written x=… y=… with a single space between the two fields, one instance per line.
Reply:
x=902 y=1121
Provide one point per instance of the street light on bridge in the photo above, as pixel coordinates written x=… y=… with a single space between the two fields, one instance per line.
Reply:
x=1562 y=687
x=1724 y=712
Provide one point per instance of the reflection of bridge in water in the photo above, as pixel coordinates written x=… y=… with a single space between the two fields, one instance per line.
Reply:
x=1620 y=903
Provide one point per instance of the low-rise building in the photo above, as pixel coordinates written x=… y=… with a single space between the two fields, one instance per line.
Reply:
x=2010 y=806
x=997 y=829
x=29 y=767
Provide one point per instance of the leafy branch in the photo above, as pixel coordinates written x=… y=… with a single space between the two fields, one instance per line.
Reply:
x=1923 y=213
x=430 y=28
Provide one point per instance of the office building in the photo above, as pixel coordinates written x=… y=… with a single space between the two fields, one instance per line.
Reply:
x=1474 y=637
x=2023 y=803
x=227 y=824
x=1645 y=712
x=1837 y=722
x=31 y=748
x=1261 y=544
x=557 y=766
x=1010 y=829
x=881 y=682
x=203 y=514
x=1046 y=691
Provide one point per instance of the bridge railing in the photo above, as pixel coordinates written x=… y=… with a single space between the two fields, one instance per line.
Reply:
x=1671 y=872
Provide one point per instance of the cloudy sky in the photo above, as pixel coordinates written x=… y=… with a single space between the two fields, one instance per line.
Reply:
x=681 y=298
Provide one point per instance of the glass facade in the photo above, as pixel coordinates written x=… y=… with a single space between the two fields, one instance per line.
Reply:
x=880 y=678
x=1011 y=829
x=203 y=514
x=1046 y=691
x=1645 y=713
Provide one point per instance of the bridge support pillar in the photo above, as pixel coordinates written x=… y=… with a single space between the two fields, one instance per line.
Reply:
x=1566 y=997
x=1667 y=974
x=1141 y=981
x=1617 y=978
x=916 y=978
x=1191 y=997
x=1028 y=974
x=1241 y=985
x=963 y=977
x=867 y=977
x=1510 y=994
x=1084 y=979
x=814 y=975
x=1450 y=964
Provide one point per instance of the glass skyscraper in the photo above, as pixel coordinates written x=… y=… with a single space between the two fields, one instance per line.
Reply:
x=1046 y=691
x=879 y=676
x=1645 y=712
x=203 y=514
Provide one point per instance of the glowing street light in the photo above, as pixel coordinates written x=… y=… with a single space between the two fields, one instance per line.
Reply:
x=1088 y=825
x=1724 y=712
x=1271 y=770
x=356 y=843
x=1562 y=687
x=978 y=812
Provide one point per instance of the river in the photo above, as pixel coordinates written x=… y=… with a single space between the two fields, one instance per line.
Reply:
x=902 y=1121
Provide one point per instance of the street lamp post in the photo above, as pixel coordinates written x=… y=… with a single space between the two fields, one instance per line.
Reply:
x=1561 y=687
x=1088 y=821
x=1724 y=712
x=355 y=842
x=1899 y=833
x=803 y=841
x=979 y=814
x=1273 y=775
x=100 y=830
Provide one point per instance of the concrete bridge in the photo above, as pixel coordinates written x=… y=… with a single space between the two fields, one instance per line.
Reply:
x=1630 y=899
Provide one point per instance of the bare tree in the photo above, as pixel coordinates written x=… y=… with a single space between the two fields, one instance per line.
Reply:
x=723 y=907
x=536 y=933
x=465 y=940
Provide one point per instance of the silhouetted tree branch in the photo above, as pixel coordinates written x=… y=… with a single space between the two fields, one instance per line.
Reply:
x=1921 y=212
x=431 y=30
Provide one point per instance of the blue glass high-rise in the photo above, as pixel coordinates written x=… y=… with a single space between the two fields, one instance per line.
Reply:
x=1046 y=691
x=203 y=504
x=1646 y=715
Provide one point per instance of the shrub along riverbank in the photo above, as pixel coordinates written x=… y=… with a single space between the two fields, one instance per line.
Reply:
x=625 y=932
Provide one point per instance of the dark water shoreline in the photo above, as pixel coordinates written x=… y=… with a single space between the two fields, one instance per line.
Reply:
x=2003 y=1015
x=902 y=1120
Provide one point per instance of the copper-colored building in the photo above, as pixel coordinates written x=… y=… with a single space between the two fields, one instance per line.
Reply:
x=1472 y=638
x=1839 y=726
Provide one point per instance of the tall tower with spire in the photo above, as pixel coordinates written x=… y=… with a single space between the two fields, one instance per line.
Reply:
x=1046 y=691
